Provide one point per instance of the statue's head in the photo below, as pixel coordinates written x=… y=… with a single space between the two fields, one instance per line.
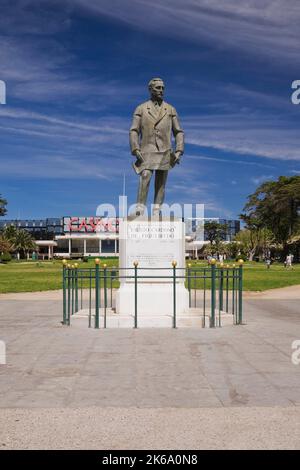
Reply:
x=156 y=87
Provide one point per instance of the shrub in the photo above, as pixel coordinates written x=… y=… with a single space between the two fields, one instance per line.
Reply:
x=5 y=257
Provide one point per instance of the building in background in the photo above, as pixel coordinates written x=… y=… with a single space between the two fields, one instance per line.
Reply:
x=195 y=228
x=196 y=236
x=69 y=237
x=88 y=236
x=44 y=231
x=40 y=229
x=76 y=237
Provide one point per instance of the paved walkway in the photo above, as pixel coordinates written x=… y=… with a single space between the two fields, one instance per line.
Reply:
x=233 y=387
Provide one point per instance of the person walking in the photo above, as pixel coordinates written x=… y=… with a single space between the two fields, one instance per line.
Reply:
x=289 y=262
x=268 y=263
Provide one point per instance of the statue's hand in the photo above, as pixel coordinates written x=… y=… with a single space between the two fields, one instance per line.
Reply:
x=177 y=157
x=139 y=156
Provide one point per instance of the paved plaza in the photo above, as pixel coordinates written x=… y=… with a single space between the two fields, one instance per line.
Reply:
x=230 y=387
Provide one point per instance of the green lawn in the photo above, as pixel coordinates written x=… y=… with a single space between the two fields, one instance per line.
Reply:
x=47 y=275
x=30 y=276
x=256 y=276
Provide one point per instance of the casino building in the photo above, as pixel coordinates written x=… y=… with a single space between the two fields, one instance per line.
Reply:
x=75 y=237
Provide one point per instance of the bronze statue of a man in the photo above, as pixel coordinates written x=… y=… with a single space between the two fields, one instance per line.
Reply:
x=150 y=134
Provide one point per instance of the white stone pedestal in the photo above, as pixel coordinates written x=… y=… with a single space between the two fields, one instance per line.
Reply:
x=152 y=299
x=154 y=244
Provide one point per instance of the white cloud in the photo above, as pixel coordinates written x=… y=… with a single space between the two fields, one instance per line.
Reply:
x=268 y=28
x=261 y=179
x=104 y=125
x=33 y=17
x=58 y=167
x=231 y=161
x=256 y=134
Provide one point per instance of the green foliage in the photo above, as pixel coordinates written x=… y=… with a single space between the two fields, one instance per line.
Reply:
x=3 y=203
x=214 y=231
x=5 y=245
x=20 y=240
x=233 y=249
x=275 y=206
x=208 y=250
x=254 y=241
x=10 y=232
x=5 y=257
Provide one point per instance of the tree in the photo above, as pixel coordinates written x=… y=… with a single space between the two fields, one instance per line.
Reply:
x=266 y=242
x=5 y=245
x=21 y=240
x=10 y=232
x=248 y=242
x=294 y=245
x=275 y=205
x=208 y=250
x=254 y=241
x=3 y=203
x=214 y=231
x=233 y=249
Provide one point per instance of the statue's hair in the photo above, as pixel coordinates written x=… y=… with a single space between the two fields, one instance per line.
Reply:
x=153 y=80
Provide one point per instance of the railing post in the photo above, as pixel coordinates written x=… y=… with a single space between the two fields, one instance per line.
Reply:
x=221 y=295
x=174 y=264
x=69 y=293
x=111 y=288
x=233 y=291
x=97 y=261
x=90 y=297
x=81 y=300
x=64 y=293
x=76 y=286
x=227 y=287
x=105 y=292
x=189 y=284
x=73 y=284
x=240 y=316
x=213 y=293
x=204 y=299
x=135 y=264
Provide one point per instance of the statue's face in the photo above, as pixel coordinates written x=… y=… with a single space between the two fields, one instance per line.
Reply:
x=157 y=90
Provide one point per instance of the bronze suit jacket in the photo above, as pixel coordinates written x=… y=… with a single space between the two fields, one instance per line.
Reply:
x=151 y=131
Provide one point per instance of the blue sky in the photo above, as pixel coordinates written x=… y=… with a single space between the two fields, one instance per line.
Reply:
x=76 y=70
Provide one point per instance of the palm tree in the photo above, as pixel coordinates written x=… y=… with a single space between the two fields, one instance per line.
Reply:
x=5 y=245
x=21 y=240
x=9 y=233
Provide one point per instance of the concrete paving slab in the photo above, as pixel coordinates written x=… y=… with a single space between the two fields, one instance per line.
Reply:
x=166 y=428
x=232 y=387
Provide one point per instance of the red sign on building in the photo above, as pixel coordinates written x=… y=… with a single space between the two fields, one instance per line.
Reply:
x=91 y=224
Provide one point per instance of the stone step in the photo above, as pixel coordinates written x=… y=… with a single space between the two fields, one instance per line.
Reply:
x=194 y=318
